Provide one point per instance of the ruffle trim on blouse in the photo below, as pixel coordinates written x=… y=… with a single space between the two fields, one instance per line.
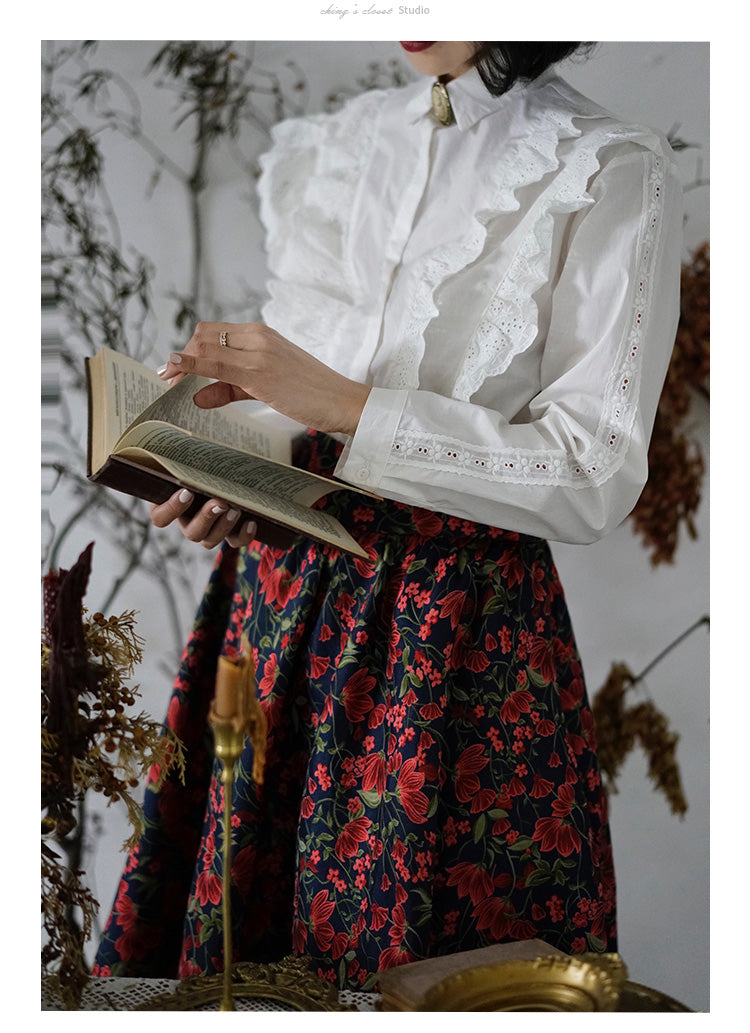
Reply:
x=525 y=161
x=509 y=324
x=306 y=191
x=609 y=444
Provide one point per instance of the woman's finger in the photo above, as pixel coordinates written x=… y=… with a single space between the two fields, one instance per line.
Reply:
x=162 y=515
x=211 y=524
x=243 y=534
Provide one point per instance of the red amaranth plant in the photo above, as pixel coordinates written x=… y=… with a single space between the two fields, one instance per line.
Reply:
x=88 y=742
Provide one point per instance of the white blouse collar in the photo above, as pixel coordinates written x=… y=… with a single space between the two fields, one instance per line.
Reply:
x=470 y=99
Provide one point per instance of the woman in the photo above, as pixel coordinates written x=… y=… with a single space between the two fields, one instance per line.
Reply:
x=472 y=305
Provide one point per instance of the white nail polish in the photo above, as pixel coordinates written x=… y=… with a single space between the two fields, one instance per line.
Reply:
x=250 y=527
x=232 y=515
x=175 y=358
x=161 y=371
x=185 y=495
x=217 y=509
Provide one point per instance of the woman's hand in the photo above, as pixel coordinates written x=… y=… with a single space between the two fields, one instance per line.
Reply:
x=257 y=362
x=213 y=522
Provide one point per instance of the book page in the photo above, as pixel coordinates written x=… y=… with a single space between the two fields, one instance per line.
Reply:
x=216 y=465
x=224 y=425
x=130 y=387
x=278 y=493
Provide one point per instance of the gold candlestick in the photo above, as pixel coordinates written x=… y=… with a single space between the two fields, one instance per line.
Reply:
x=235 y=713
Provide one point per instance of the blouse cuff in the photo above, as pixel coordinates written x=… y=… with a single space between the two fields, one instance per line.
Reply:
x=365 y=455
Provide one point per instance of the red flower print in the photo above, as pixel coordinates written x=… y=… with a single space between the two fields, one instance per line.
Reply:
x=353 y=833
x=379 y=916
x=492 y=914
x=318 y=666
x=482 y=800
x=568 y=841
x=366 y=567
x=470 y=761
x=454 y=605
x=470 y=880
x=522 y=929
x=427 y=523
x=572 y=695
x=278 y=586
x=356 y=696
x=589 y=728
x=393 y=956
x=321 y=910
x=460 y=653
x=551 y=834
x=430 y=711
x=339 y=945
x=543 y=656
x=541 y=787
x=512 y=567
x=373 y=774
x=545 y=727
x=208 y=888
x=137 y=943
x=307 y=808
x=410 y=782
x=377 y=716
x=178 y=715
x=477 y=660
x=266 y=683
x=127 y=915
x=575 y=743
x=398 y=928
x=564 y=802
x=519 y=702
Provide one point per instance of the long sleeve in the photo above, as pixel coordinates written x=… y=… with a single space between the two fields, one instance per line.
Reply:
x=571 y=464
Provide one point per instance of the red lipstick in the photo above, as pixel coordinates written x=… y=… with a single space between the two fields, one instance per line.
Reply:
x=414 y=48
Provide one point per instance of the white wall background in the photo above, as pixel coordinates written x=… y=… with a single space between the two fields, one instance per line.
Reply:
x=623 y=609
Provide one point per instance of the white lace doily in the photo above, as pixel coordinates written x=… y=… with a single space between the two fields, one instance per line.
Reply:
x=113 y=994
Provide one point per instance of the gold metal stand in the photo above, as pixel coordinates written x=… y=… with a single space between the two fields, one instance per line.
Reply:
x=228 y=746
x=235 y=715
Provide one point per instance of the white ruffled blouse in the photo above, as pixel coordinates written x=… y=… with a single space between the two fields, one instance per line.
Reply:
x=508 y=285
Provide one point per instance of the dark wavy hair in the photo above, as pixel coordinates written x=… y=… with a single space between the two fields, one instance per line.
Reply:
x=501 y=65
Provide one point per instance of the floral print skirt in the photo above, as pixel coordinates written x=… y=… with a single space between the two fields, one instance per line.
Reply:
x=431 y=784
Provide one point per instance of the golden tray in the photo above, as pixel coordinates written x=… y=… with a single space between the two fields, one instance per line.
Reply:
x=288 y=985
x=584 y=983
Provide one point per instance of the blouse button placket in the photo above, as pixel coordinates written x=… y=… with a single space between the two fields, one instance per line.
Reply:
x=415 y=186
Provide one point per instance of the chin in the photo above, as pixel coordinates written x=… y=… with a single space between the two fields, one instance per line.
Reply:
x=440 y=59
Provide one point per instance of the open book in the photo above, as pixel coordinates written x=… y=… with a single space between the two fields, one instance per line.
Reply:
x=147 y=439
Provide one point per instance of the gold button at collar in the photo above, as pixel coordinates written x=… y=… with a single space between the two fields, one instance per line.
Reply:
x=441 y=105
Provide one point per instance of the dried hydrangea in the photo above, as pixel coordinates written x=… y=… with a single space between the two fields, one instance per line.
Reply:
x=89 y=741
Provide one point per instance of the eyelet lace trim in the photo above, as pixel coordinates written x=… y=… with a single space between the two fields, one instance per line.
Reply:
x=610 y=442
x=526 y=161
